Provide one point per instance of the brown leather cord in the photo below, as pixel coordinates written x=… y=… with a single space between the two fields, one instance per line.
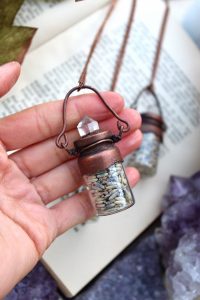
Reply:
x=122 y=50
x=82 y=78
x=159 y=45
x=122 y=124
x=120 y=58
x=151 y=86
x=61 y=140
x=123 y=46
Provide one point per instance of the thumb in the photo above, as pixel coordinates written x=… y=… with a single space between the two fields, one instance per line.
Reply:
x=9 y=74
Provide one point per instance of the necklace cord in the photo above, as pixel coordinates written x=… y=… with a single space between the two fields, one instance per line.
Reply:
x=120 y=57
x=96 y=40
x=122 y=50
x=122 y=125
x=151 y=86
x=159 y=44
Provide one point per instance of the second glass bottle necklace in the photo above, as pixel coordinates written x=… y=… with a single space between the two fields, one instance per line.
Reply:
x=145 y=159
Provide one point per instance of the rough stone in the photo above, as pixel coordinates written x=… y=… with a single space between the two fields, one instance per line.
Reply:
x=179 y=237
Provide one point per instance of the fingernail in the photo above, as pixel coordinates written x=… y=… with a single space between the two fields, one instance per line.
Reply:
x=10 y=68
x=10 y=64
x=137 y=135
x=9 y=74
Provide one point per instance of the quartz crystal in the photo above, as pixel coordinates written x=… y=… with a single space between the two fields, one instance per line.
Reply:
x=87 y=125
x=179 y=238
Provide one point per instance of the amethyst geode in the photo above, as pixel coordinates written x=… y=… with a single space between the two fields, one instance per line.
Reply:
x=183 y=272
x=179 y=237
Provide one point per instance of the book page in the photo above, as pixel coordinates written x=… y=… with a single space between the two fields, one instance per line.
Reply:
x=31 y=9
x=53 y=17
x=78 y=255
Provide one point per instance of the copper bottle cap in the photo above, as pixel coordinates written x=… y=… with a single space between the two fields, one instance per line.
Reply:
x=152 y=122
x=93 y=162
x=97 y=152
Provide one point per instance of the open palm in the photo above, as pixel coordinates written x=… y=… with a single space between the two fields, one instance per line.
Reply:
x=38 y=173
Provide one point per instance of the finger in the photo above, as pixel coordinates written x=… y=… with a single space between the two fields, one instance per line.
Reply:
x=58 y=182
x=66 y=178
x=130 y=143
x=3 y=160
x=45 y=120
x=79 y=208
x=46 y=156
x=9 y=74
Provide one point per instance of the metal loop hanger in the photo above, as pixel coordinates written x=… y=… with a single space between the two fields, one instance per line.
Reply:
x=150 y=89
x=122 y=125
x=151 y=86
x=62 y=141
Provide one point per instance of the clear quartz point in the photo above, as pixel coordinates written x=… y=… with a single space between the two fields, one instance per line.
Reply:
x=86 y=126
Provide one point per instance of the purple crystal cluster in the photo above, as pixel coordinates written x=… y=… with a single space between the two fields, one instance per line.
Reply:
x=179 y=238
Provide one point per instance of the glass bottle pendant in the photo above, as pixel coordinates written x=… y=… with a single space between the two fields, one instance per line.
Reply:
x=145 y=159
x=100 y=163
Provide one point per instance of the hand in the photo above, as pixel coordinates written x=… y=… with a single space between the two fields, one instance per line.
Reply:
x=39 y=173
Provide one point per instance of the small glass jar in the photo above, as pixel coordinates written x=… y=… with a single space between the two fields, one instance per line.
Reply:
x=145 y=159
x=100 y=163
x=110 y=190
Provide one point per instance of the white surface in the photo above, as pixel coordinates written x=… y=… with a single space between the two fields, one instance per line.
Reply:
x=179 y=8
x=191 y=21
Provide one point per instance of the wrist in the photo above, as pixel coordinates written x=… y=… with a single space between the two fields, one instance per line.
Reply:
x=17 y=254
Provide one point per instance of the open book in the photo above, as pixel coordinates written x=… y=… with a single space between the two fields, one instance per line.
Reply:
x=54 y=16
x=51 y=68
